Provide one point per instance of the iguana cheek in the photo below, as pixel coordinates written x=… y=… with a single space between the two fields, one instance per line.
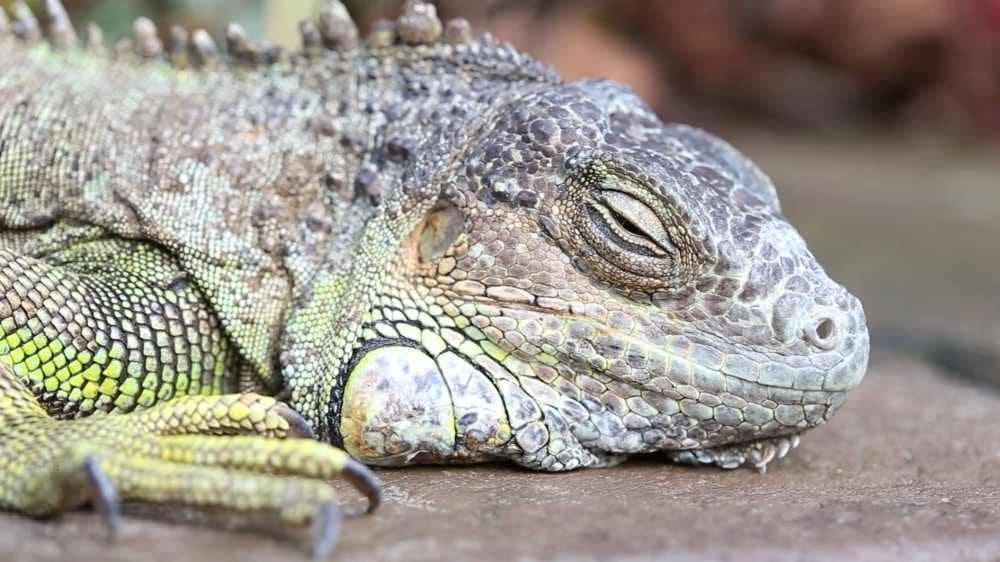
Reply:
x=396 y=406
x=402 y=406
x=481 y=422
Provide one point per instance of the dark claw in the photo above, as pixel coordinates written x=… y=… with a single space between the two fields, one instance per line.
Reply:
x=104 y=496
x=364 y=480
x=326 y=530
x=297 y=425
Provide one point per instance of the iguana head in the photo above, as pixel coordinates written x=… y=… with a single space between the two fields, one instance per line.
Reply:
x=622 y=286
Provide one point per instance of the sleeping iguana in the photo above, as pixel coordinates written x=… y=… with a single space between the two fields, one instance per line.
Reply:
x=416 y=247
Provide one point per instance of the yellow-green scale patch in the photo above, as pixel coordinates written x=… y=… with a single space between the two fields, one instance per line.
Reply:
x=96 y=378
x=123 y=340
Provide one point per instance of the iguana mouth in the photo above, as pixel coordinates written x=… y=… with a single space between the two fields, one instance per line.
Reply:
x=686 y=359
x=683 y=374
x=834 y=368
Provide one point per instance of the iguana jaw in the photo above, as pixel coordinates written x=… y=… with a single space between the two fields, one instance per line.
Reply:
x=458 y=393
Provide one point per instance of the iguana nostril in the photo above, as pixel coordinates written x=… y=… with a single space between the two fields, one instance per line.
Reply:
x=823 y=333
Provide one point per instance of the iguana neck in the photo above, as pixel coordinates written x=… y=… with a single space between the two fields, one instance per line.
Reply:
x=409 y=115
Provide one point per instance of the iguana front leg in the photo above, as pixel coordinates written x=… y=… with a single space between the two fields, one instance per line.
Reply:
x=67 y=334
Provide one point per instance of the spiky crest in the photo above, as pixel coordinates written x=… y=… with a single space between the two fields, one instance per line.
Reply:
x=333 y=30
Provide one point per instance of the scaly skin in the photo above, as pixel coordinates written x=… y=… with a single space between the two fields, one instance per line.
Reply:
x=431 y=247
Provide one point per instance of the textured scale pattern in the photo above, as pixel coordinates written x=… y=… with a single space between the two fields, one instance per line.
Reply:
x=427 y=244
x=95 y=333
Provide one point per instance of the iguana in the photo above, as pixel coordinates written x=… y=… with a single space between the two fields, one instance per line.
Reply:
x=427 y=245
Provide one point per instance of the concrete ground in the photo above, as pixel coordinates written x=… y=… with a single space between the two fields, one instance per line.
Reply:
x=908 y=470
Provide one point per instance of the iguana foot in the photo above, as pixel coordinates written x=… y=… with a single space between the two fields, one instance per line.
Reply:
x=757 y=453
x=237 y=452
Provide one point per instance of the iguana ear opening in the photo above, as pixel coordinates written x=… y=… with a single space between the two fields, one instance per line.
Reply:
x=442 y=227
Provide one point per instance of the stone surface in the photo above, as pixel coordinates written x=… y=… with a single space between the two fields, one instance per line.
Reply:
x=909 y=470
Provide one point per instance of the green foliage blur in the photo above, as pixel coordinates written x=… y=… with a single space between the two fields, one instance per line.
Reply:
x=274 y=19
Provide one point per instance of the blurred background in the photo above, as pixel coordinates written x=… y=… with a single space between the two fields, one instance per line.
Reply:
x=878 y=120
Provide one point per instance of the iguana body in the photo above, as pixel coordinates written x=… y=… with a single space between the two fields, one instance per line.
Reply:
x=432 y=248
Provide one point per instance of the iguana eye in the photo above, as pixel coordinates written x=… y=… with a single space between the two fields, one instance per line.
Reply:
x=623 y=229
x=627 y=238
x=632 y=222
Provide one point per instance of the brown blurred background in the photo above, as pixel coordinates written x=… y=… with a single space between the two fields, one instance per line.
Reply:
x=902 y=66
x=922 y=68
x=879 y=121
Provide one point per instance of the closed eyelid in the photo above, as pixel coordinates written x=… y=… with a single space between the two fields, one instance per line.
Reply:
x=622 y=229
x=641 y=216
x=620 y=226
